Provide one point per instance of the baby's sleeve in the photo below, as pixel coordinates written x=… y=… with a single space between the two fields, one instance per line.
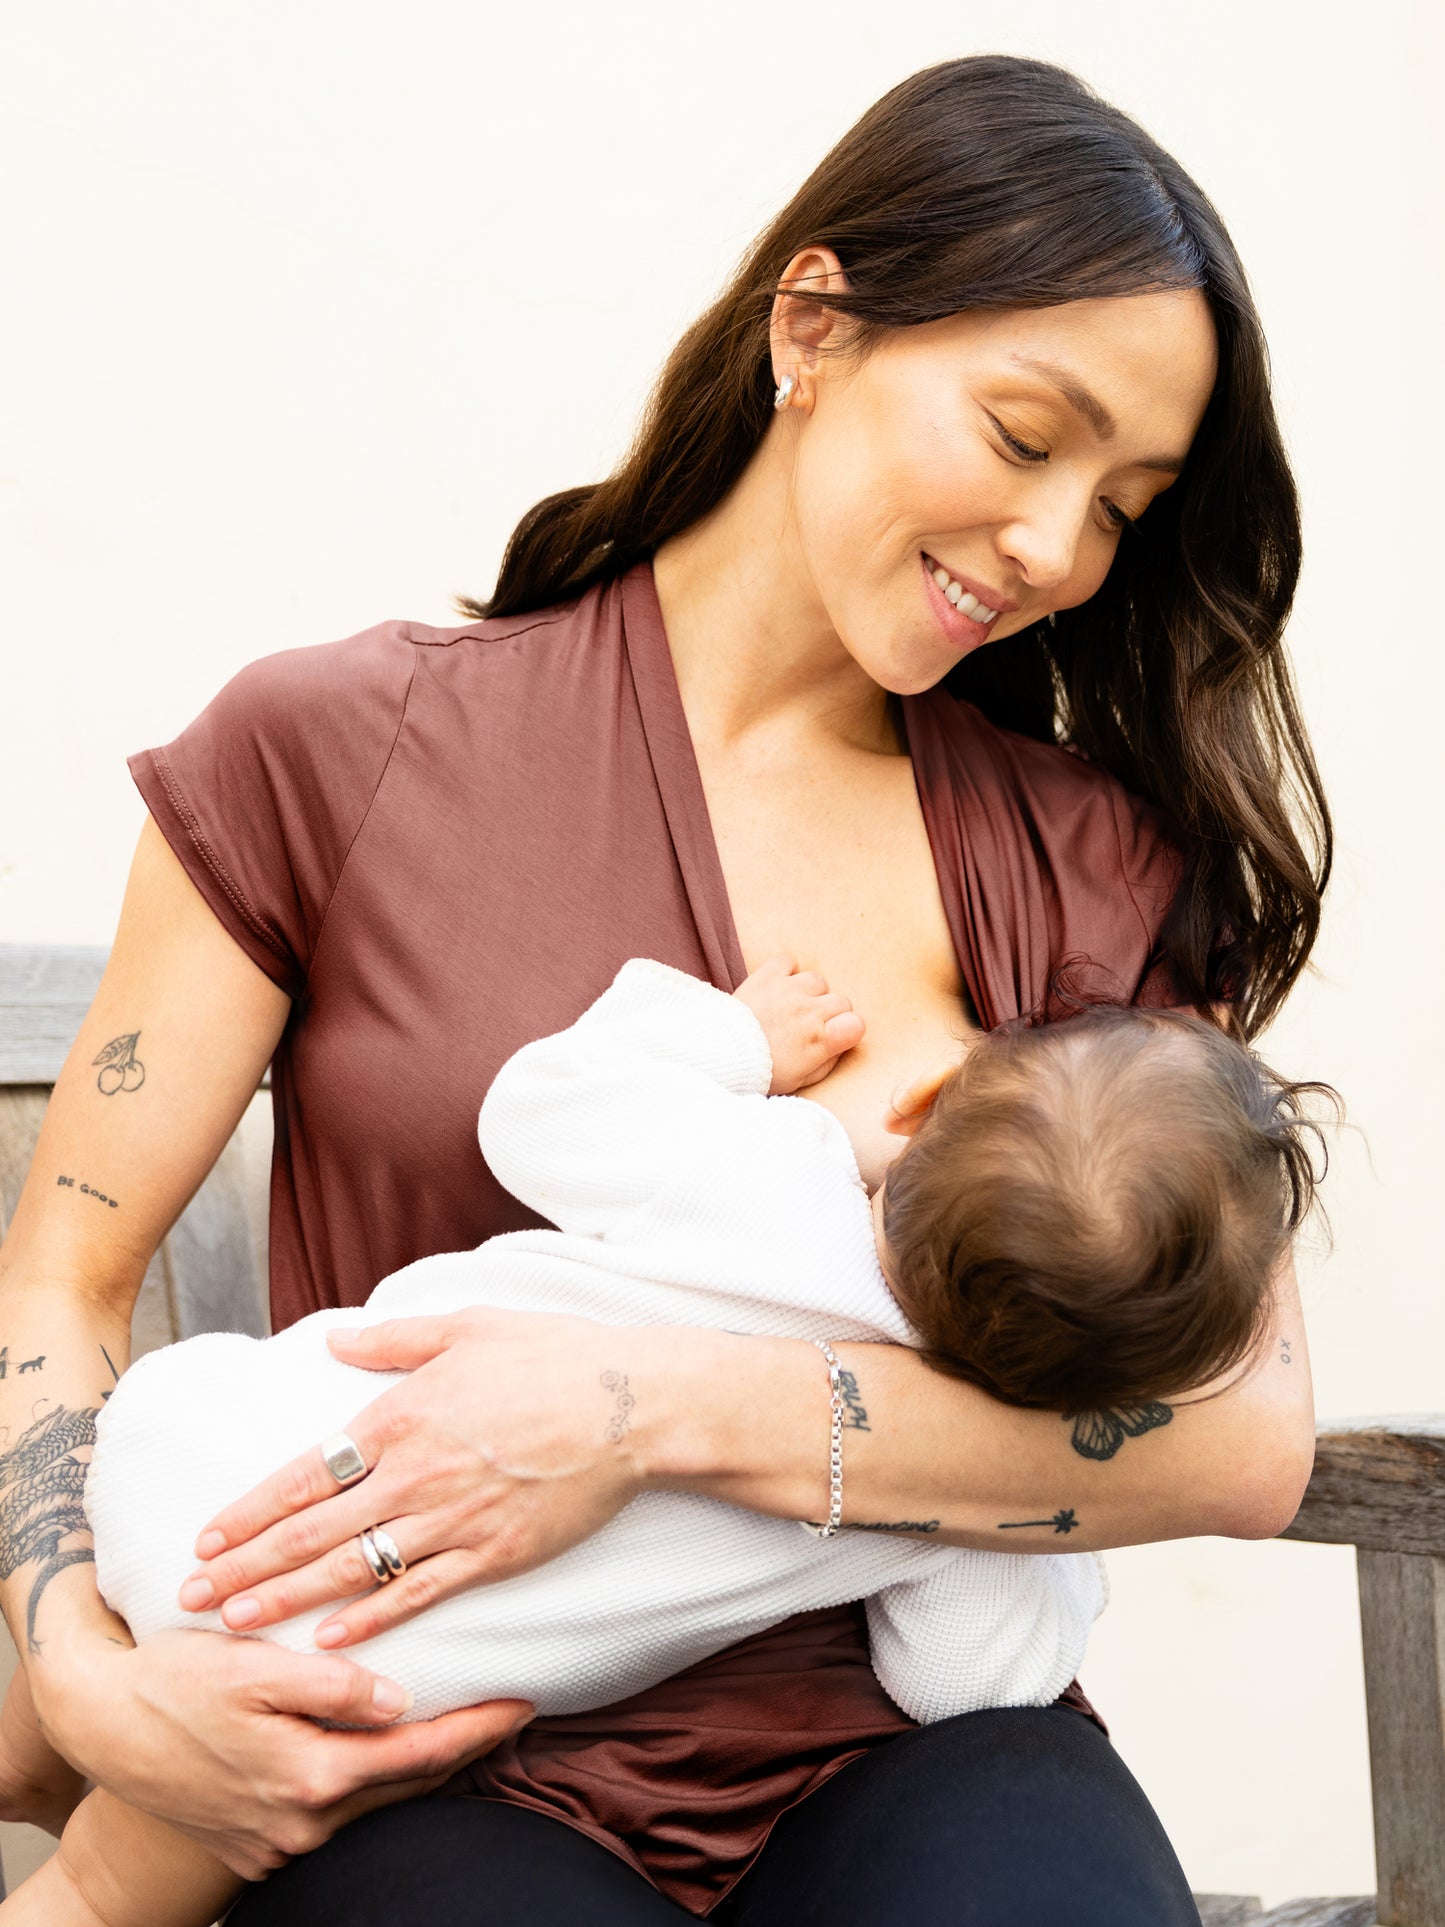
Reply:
x=599 y=1117
x=262 y=795
x=976 y=1629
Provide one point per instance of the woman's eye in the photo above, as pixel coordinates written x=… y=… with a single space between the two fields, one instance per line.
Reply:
x=1023 y=450
x=1117 y=516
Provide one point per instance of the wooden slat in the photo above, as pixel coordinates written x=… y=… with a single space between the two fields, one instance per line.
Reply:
x=45 y=991
x=204 y=1276
x=214 y=1285
x=1359 y=1912
x=1228 y=1910
x=153 y=1322
x=1402 y=1622
x=1378 y=1483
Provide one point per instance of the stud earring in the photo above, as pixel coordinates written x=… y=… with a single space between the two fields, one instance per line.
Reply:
x=785 y=392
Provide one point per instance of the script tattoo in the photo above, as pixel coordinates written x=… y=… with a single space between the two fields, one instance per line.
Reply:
x=1063 y=1521
x=622 y=1411
x=1284 y=1355
x=90 y=1191
x=896 y=1525
x=42 y=1484
x=853 y=1401
x=120 y=1068
x=1098 y=1435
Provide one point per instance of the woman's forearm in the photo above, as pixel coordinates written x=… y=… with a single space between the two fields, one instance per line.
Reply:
x=746 y=1420
x=60 y=1353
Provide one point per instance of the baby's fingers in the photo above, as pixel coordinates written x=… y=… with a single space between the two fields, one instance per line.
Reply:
x=843 y=1033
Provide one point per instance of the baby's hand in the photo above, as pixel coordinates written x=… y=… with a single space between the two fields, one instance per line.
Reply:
x=808 y=1026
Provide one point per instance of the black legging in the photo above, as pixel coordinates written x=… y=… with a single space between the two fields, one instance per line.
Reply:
x=1022 y=1818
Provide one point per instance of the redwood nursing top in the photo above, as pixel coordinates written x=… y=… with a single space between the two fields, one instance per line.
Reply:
x=442 y=843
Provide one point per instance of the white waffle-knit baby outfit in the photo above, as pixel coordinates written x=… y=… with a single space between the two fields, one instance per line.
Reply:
x=683 y=1194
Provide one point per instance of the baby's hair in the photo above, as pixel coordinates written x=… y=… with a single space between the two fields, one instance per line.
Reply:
x=1090 y=1213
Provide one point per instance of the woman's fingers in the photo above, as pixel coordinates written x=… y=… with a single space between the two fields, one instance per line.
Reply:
x=382 y=1766
x=339 y=1574
x=395 y=1345
x=298 y=1543
x=307 y=1481
x=420 y=1586
x=325 y=1687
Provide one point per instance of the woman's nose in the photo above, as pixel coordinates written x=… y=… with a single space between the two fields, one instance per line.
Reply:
x=1043 y=546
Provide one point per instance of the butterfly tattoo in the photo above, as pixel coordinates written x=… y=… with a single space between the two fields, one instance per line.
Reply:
x=1098 y=1435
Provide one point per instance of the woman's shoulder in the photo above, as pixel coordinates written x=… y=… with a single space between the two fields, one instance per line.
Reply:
x=1057 y=796
x=1046 y=859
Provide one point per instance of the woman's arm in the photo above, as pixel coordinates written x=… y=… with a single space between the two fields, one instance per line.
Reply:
x=745 y=1420
x=202 y=1730
x=510 y=1442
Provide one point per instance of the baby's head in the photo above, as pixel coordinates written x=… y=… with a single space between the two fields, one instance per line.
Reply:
x=1090 y=1212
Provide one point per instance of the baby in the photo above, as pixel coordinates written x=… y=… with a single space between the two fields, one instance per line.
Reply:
x=1086 y=1218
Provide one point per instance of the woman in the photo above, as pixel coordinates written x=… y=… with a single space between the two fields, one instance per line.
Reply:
x=992 y=378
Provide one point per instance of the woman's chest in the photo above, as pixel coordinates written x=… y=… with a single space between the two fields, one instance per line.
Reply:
x=835 y=869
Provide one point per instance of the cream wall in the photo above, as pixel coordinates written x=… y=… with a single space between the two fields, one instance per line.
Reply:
x=307 y=301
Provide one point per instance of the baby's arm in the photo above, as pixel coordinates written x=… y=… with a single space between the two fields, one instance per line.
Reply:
x=119 y=1867
x=592 y=1121
x=978 y=1629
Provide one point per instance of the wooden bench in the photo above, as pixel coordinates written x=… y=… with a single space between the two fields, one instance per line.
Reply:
x=1378 y=1484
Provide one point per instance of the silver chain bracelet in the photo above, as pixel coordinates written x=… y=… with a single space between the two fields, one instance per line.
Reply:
x=835 y=1443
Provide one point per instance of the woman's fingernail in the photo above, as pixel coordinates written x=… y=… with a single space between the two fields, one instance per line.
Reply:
x=241 y=1612
x=210 y=1543
x=348 y=1337
x=197 y=1594
x=331 y=1634
x=390 y=1699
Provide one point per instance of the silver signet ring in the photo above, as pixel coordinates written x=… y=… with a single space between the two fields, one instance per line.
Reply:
x=343 y=1461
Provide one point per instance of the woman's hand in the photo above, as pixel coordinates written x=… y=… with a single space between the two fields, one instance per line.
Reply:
x=510 y=1441
x=218 y=1736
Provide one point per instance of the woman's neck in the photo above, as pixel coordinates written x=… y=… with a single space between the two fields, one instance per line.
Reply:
x=752 y=645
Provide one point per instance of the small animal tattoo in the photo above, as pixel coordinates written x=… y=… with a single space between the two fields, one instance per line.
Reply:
x=32 y=1364
x=120 y=1068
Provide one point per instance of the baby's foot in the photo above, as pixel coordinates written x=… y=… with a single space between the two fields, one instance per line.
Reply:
x=37 y=1786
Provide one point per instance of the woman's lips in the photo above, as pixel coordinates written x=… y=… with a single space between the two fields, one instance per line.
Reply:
x=962 y=631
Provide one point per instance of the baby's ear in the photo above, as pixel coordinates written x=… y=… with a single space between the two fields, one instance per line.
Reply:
x=911 y=1102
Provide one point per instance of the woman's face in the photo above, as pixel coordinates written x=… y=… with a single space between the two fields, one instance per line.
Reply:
x=1002 y=451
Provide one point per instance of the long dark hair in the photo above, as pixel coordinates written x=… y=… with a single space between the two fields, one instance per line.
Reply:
x=996 y=183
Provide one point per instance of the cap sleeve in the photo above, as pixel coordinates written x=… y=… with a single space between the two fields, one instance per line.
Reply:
x=263 y=794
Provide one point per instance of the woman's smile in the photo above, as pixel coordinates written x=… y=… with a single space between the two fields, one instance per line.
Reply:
x=965 y=609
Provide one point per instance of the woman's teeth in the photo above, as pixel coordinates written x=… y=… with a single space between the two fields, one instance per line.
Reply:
x=966 y=604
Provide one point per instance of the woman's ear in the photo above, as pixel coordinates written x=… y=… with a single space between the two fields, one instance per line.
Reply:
x=800 y=325
x=911 y=1102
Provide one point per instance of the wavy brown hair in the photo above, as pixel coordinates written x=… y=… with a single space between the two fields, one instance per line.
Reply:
x=1090 y=1214
x=995 y=183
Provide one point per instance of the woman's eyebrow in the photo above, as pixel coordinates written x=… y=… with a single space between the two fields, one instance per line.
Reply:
x=1084 y=402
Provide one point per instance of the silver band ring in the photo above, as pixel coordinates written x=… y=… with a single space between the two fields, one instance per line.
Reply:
x=389 y=1550
x=343 y=1458
x=381 y=1572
